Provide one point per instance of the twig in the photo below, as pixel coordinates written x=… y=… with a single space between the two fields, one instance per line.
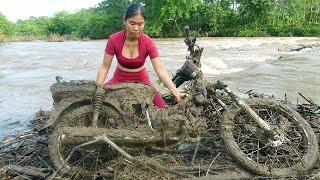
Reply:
x=45 y=163
x=188 y=168
x=6 y=143
x=104 y=138
x=307 y=99
x=285 y=98
x=195 y=153
x=316 y=176
x=129 y=157
x=97 y=139
x=116 y=147
x=22 y=176
x=69 y=156
x=26 y=171
x=212 y=163
x=249 y=91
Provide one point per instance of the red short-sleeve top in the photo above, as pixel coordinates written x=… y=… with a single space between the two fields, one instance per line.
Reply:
x=146 y=47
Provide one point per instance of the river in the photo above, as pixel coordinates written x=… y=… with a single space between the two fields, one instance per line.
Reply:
x=267 y=65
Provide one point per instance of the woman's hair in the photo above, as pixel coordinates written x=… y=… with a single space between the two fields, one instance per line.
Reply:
x=134 y=9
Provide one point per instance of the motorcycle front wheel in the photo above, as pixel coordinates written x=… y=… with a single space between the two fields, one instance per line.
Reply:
x=250 y=146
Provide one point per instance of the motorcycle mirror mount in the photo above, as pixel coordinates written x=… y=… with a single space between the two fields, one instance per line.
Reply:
x=190 y=41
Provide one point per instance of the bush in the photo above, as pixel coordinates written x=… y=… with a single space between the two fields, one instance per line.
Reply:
x=2 y=36
x=312 y=30
x=252 y=33
x=5 y=26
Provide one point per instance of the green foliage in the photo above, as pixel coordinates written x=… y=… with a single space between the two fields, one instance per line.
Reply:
x=166 y=18
x=252 y=11
x=93 y=25
x=113 y=11
x=32 y=26
x=223 y=18
x=62 y=23
x=294 y=30
x=252 y=33
x=5 y=25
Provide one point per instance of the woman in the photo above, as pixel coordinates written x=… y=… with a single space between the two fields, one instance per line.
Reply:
x=131 y=47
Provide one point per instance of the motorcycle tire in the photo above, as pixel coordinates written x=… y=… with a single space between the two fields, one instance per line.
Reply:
x=246 y=143
x=89 y=155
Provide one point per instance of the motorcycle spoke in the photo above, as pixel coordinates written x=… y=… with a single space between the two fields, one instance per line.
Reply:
x=260 y=150
x=288 y=164
x=274 y=152
x=291 y=145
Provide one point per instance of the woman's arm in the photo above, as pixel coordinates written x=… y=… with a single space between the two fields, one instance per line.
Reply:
x=164 y=77
x=104 y=68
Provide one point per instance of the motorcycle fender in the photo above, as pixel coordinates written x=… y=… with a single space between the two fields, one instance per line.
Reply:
x=63 y=106
x=57 y=111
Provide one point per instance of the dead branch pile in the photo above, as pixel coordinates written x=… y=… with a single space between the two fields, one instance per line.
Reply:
x=311 y=112
x=26 y=157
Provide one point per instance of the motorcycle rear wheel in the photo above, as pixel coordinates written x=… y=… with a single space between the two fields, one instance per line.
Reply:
x=246 y=142
x=87 y=158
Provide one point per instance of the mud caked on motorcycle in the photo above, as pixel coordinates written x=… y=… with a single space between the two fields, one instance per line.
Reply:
x=265 y=136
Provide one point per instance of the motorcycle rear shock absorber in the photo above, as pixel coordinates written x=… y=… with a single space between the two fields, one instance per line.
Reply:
x=97 y=105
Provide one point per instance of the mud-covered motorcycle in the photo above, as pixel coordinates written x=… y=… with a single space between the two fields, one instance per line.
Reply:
x=265 y=136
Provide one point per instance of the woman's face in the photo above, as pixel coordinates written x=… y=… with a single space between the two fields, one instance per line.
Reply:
x=134 y=26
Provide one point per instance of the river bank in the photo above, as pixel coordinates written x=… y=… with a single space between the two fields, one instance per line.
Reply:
x=33 y=38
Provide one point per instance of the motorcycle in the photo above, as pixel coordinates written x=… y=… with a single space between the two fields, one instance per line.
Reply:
x=265 y=136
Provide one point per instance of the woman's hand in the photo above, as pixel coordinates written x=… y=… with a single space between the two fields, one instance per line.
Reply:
x=181 y=96
x=166 y=79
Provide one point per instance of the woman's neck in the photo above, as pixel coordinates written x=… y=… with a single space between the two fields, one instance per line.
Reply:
x=130 y=38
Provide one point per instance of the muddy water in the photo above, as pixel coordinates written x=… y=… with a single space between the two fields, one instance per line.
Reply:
x=265 y=65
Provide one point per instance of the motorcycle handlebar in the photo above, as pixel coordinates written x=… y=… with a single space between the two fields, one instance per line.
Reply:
x=178 y=79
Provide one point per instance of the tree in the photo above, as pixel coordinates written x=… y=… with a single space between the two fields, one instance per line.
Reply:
x=61 y=24
x=162 y=15
x=31 y=26
x=253 y=11
x=113 y=11
x=5 y=25
x=92 y=24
